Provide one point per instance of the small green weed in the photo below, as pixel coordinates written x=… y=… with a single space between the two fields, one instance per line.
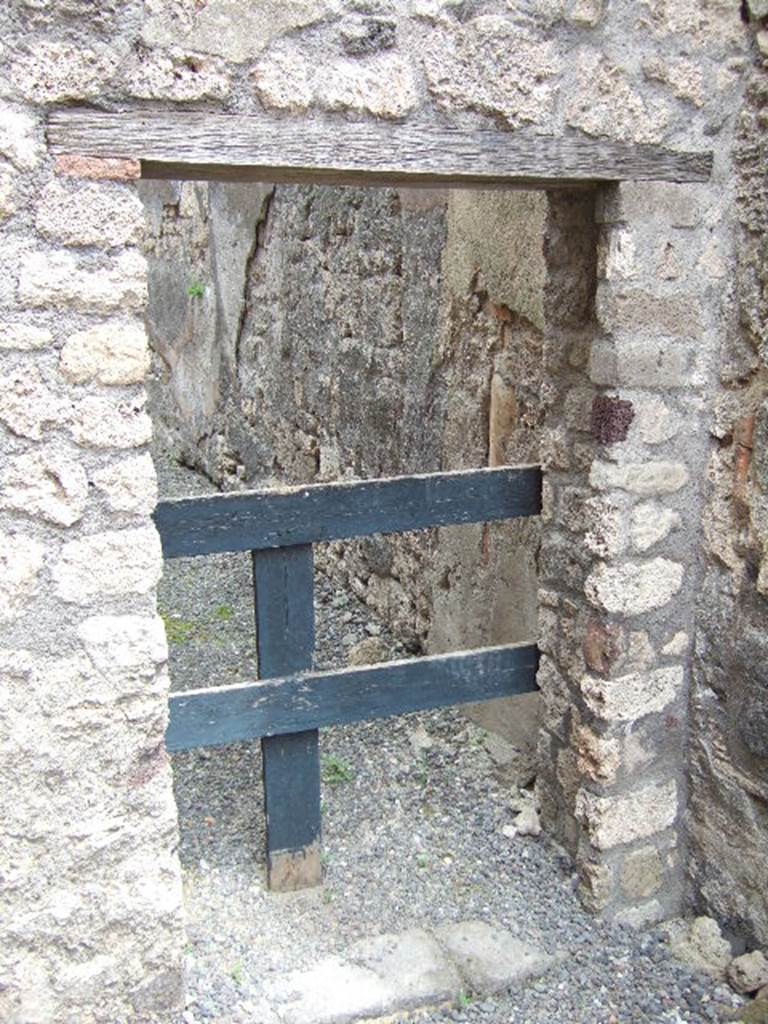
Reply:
x=236 y=974
x=178 y=631
x=335 y=771
x=464 y=1000
x=223 y=613
x=422 y=860
x=196 y=290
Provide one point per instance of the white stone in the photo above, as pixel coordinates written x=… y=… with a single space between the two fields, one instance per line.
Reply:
x=527 y=822
x=684 y=77
x=7 y=191
x=643 y=478
x=21 y=559
x=586 y=13
x=375 y=978
x=57 y=279
x=383 y=85
x=47 y=483
x=493 y=66
x=28 y=407
x=677 y=645
x=748 y=972
x=634 y=588
x=613 y=820
x=100 y=422
x=24 y=337
x=108 y=564
x=130 y=645
x=654 y=421
x=651 y=523
x=20 y=138
x=110 y=353
x=491 y=959
x=617 y=253
x=605 y=104
x=105 y=214
x=129 y=485
x=631 y=697
x=177 y=75
x=49 y=71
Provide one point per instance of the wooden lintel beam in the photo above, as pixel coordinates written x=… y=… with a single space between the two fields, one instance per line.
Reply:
x=273 y=707
x=238 y=147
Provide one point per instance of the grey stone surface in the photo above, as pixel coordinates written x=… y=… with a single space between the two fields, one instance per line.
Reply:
x=491 y=959
x=375 y=978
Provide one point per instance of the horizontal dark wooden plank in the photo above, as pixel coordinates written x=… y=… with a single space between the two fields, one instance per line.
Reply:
x=254 y=520
x=237 y=147
x=270 y=707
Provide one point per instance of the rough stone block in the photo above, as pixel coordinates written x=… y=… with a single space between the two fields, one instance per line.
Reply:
x=634 y=587
x=376 y=977
x=290 y=79
x=596 y=885
x=177 y=75
x=631 y=697
x=491 y=959
x=654 y=422
x=749 y=972
x=97 y=168
x=106 y=215
x=111 y=353
x=643 y=363
x=604 y=103
x=52 y=71
x=613 y=820
x=700 y=945
x=46 y=483
x=129 y=485
x=493 y=66
x=107 y=564
x=636 y=311
x=21 y=559
x=651 y=523
x=596 y=757
x=58 y=279
x=20 y=138
x=636 y=202
x=28 y=407
x=8 y=179
x=127 y=647
x=642 y=478
x=24 y=337
x=616 y=254
x=642 y=874
x=684 y=77
x=103 y=423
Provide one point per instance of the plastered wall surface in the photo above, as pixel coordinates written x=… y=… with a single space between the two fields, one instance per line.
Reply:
x=90 y=923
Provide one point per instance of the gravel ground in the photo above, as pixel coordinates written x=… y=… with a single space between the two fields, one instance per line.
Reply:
x=412 y=818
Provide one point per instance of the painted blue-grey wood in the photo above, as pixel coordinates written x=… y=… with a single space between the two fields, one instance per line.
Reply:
x=226 y=714
x=285 y=634
x=256 y=520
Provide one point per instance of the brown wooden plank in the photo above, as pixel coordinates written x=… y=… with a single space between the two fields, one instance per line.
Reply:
x=237 y=147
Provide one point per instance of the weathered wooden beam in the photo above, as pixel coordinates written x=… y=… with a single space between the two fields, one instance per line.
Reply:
x=285 y=635
x=237 y=147
x=254 y=520
x=273 y=707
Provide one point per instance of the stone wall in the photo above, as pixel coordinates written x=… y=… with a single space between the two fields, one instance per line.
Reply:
x=90 y=925
x=728 y=813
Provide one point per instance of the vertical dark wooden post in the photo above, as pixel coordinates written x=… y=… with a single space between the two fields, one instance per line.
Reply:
x=285 y=636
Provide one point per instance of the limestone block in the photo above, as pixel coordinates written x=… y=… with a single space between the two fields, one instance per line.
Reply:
x=491 y=959
x=108 y=564
x=677 y=646
x=641 y=917
x=638 y=814
x=605 y=104
x=651 y=523
x=7 y=190
x=643 y=363
x=616 y=254
x=57 y=279
x=684 y=77
x=126 y=647
x=493 y=66
x=100 y=422
x=642 y=873
x=700 y=945
x=642 y=478
x=24 y=337
x=654 y=422
x=678 y=316
x=231 y=29
x=596 y=885
x=21 y=559
x=93 y=214
x=19 y=138
x=748 y=973
x=114 y=352
x=49 y=71
x=47 y=483
x=596 y=756
x=631 y=697
x=638 y=202
x=177 y=75
x=28 y=407
x=129 y=485
x=586 y=13
x=634 y=587
x=289 y=79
